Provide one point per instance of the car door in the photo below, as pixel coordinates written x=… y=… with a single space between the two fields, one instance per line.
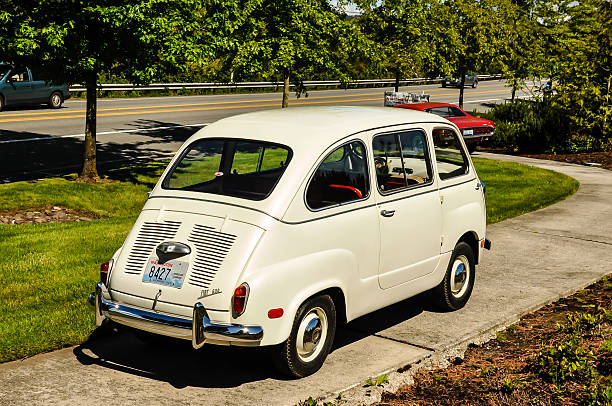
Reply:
x=459 y=187
x=408 y=206
x=19 y=87
x=40 y=89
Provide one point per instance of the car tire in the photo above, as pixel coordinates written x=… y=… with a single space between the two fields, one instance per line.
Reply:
x=443 y=84
x=311 y=338
x=456 y=288
x=471 y=148
x=474 y=84
x=1 y=102
x=56 y=100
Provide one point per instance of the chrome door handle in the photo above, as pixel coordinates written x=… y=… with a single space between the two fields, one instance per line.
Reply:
x=477 y=184
x=387 y=213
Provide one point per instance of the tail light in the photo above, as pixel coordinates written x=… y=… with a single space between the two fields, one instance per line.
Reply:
x=241 y=294
x=105 y=269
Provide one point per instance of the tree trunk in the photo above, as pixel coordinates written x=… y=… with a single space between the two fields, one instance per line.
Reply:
x=397 y=80
x=286 y=89
x=90 y=171
x=461 y=85
x=514 y=86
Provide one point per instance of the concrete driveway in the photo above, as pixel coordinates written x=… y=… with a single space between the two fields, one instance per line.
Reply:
x=536 y=258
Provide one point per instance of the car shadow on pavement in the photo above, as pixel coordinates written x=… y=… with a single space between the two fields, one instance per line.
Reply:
x=174 y=361
x=49 y=156
x=177 y=363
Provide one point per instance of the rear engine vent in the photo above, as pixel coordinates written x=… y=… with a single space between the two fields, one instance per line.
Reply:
x=211 y=249
x=149 y=236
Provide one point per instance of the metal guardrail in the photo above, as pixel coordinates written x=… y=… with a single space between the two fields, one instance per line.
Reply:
x=119 y=87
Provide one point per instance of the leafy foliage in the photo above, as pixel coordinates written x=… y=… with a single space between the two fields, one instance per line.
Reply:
x=398 y=26
x=378 y=381
x=530 y=126
x=578 y=58
x=291 y=39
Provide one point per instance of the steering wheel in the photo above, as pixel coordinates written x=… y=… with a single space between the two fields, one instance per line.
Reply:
x=382 y=168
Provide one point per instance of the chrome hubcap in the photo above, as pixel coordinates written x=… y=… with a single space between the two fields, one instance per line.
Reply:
x=311 y=334
x=460 y=275
x=56 y=100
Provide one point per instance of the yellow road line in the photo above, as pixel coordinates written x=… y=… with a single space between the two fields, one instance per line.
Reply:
x=183 y=110
x=121 y=111
x=175 y=105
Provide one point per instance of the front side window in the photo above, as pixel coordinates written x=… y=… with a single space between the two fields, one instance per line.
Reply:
x=341 y=178
x=240 y=168
x=4 y=69
x=450 y=158
x=401 y=160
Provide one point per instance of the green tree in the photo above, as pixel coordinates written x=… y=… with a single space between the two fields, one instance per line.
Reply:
x=578 y=60
x=520 y=48
x=463 y=36
x=75 y=41
x=398 y=26
x=292 y=39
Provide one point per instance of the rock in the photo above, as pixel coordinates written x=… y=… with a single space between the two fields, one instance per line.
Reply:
x=56 y=208
x=48 y=212
x=60 y=215
x=30 y=215
x=39 y=220
x=84 y=219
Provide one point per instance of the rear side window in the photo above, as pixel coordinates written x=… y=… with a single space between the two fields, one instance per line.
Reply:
x=341 y=178
x=440 y=111
x=401 y=160
x=40 y=76
x=240 y=168
x=450 y=157
x=456 y=112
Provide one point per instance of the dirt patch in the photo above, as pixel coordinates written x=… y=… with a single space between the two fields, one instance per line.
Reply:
x=39 y=215
x=604 y=159
x=558 y=355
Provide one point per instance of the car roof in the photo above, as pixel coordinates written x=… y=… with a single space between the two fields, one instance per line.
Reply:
x=312 y=127
x=309 y=132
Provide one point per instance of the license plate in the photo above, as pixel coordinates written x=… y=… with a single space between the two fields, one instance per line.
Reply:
x=170 y=273
x=468 y=132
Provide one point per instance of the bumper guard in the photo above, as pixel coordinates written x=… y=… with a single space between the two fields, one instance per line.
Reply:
x=199 y=329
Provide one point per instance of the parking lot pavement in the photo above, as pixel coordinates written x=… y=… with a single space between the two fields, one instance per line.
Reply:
x=535 y=259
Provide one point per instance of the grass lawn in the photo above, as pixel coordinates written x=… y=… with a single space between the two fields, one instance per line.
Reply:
x=47 y=270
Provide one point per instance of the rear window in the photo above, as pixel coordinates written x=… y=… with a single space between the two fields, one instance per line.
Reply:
x=241 y=168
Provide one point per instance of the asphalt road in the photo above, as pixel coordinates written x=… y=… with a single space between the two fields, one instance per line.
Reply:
x=39 y=142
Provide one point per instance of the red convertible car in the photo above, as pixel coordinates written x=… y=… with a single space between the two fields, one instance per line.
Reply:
x=474 y=129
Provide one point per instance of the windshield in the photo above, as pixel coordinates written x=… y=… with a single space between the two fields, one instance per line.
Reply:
x=241 y=168
x=4 y=69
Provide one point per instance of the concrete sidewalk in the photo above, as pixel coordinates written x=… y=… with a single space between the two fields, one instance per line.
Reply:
x=536 y=258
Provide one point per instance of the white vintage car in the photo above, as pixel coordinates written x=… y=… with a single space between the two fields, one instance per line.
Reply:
x=270 y=228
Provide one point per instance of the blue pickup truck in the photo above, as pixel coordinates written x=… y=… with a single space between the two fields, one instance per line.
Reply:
x=23 y=86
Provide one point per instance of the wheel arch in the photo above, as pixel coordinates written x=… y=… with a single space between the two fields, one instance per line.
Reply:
x=339 y=299
x=471 y=239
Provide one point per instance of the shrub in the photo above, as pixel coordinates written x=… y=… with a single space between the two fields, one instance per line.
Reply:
x=564 y=361
x=530 y=126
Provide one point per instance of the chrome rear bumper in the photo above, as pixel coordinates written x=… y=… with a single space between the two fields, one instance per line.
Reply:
x=199 y=330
